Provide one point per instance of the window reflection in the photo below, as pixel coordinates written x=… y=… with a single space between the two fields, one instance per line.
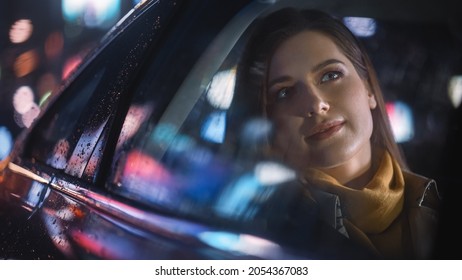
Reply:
x=141 y=176
x=205 y=162
x=243 y=243
x=214 y=127
x=455 y=90
x=221 y=89
x=84 y=149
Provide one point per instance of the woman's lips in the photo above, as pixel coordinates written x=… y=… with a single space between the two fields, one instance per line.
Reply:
x=325 y=130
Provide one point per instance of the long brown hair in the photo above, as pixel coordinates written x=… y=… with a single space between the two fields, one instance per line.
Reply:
x=277 y=27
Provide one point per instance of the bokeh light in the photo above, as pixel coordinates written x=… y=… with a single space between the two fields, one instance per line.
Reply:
x=455 y=90
x=23 y=99
x=98 y=14
x=54 y=44
x=402 y=121
x=6 y=142
x=46 y=84
x=360 y=26
x=71 y=64
x=272 y=173
x=21 y=31
x=214 y=127
x=29 y=117
x=26 y=109
x=26 y=63
x=221 y=89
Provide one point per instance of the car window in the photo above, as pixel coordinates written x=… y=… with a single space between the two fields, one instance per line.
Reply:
x=182 y=155
x=74 y=132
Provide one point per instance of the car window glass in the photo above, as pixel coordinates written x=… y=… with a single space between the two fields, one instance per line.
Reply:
x=186 y=153
x=74 y=132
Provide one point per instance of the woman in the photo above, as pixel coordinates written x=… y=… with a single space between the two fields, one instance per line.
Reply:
x=320 y=90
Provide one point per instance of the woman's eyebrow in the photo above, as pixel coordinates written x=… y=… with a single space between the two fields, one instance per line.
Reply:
x=325 y=63
x=278 y=80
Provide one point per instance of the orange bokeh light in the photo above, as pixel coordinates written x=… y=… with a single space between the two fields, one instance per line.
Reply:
x=26 y=63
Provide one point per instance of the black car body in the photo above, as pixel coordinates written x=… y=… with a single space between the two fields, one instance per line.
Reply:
x=148 y=152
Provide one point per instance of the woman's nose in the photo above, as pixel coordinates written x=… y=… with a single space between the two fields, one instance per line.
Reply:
x=313 y=103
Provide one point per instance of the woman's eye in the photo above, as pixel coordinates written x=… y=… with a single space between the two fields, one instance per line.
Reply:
x=334 y=75
x=282 y=94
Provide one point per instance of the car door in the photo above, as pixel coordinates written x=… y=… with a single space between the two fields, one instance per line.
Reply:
x=67 y=169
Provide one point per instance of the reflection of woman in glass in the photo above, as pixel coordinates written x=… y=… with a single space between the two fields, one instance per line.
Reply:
x=321 y=92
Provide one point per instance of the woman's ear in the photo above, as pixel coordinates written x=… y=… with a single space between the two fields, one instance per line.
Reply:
x=372 y=101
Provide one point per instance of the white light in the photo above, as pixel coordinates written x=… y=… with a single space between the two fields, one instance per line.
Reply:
x=455 y=90
x=362 y=27
x=21 y=31
x=73 y=8
x=272 y=173
x=29 y=116
x=221 y=89
x=23 y=99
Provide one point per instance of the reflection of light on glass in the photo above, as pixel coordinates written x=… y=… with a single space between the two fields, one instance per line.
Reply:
x=402 y=122
x=23 y=103
x=136 y=2
x=362 y=27
x=136 y=115
x=26 y=63
x=145 y=167
x=101 y=13
x=221 y=89
x=54 y=44
x=104 y=248
x=455 y=90
x=164 y=133
x=46 y=83
x=21 y=30
x=236 y=200
x=272 y=173
x=243 y=243
x=84 y=149
x=23 y=99
x=145 y=177
x=35 y=194
x=58 y=159
x=182 y=143
x=70 y=65
x=256 y=131
x=44 y=98
x=29 y=117
x=220 y=240
x=56 y=232
x=214 y=127
x=6 y=142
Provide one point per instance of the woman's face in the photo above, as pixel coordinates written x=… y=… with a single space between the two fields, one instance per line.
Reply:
x=320 y=106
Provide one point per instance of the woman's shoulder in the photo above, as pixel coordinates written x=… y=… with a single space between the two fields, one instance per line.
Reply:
x=423 y=202
x=421 y=190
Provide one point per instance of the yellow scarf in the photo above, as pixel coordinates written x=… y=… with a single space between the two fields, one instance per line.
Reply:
x=373 y=208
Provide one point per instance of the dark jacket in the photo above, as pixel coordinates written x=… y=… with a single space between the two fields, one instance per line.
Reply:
x=421 y=203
